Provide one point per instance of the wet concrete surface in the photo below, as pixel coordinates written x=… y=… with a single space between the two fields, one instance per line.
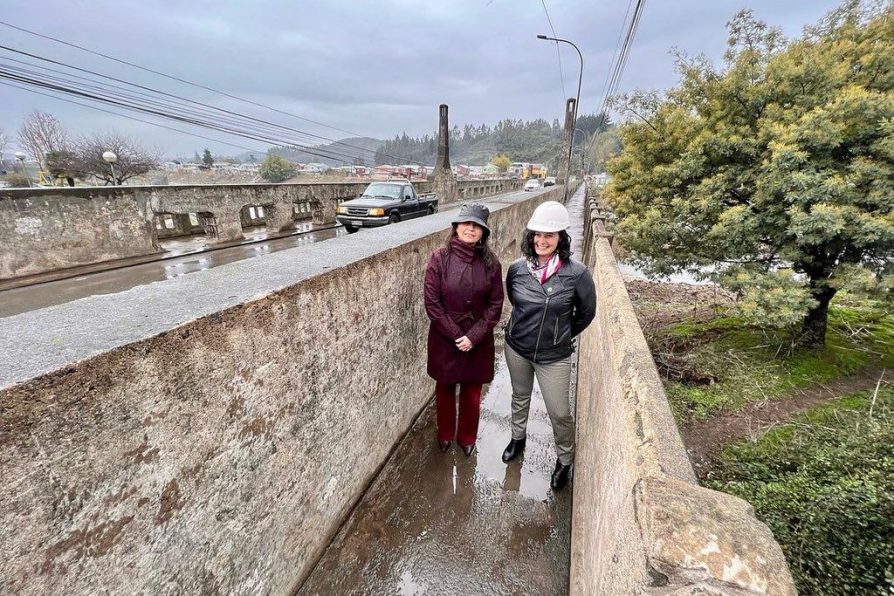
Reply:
x=195 y=257
x=444 y=523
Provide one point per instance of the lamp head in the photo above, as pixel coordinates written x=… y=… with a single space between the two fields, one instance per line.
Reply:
x=109 y=157
x=542 y=37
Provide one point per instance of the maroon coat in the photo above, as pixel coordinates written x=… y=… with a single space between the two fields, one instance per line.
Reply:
x=462 y=298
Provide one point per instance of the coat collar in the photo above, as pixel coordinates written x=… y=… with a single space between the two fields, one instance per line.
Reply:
x=465 y=252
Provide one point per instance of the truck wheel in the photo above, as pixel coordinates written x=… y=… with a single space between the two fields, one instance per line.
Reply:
x=394 y=218
x=431 y=209
x=351 y=229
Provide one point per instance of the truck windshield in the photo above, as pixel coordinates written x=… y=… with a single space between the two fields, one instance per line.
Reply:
x=392 y=191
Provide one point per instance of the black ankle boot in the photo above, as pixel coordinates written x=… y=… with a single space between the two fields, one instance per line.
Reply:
x=443 y=446
x=468 y=449
x=560 y=476
x=513 y=449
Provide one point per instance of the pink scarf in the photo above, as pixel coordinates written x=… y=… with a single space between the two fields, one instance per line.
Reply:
x=543 y=272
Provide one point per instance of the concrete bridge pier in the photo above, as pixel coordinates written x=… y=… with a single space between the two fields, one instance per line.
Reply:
x=279 y=216
x=229 y=225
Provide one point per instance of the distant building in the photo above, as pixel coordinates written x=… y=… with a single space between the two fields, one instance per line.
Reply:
x=315 y=168
x=601 y=179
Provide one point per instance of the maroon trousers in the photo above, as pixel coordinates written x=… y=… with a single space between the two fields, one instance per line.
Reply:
x=469 y=412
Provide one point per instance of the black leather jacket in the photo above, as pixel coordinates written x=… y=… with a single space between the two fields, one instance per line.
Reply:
x=545 y=318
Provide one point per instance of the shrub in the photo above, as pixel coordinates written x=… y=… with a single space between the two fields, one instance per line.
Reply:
x=17 y=180
x=277 y=169
x=825 y=485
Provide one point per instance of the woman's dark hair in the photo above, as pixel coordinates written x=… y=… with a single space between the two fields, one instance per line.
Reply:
x=564 y=247
x=483 y=247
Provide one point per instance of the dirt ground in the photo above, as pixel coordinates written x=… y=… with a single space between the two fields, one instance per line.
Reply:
x=705 y=438
x=659 y=305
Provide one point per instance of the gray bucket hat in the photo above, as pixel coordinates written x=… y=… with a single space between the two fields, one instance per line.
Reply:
x=473 y=212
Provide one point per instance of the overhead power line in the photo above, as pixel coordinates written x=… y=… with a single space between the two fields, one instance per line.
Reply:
x=84 y=83
x=85 y=105
x=217 y=91
x=174 y=78
x=622 y=54
x=194 y=102
x=149 y=108
x=558 y=52
x=619 y=59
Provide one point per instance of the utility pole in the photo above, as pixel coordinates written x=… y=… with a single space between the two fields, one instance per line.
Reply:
x=567 y=136
x=445 y=181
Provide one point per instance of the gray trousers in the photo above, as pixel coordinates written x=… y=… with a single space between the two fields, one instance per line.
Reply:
x=554 y=380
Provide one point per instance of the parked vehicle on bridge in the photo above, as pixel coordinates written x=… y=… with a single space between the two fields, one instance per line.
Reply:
x=549 y=181
x=533 y=184
x=383 y=203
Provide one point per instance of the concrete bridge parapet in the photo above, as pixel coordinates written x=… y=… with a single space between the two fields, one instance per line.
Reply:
x=641 y=522
x=279 y=201
x=55 y=228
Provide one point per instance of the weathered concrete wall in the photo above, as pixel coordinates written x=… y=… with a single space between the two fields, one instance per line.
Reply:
x=225 y=202
x=47 y=229
x=220 y=455
x=641 y=523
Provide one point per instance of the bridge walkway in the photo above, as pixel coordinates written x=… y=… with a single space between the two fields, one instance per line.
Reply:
x=444 y=523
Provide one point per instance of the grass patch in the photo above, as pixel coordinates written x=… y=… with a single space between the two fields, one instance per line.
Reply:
x=824 y=483
x=752 y=364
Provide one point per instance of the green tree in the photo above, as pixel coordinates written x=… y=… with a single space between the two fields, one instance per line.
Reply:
x=276 y=169
x=784 y=158
x=501 y=161
x=207 y=159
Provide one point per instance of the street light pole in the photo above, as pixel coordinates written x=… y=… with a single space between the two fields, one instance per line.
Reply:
x=582 y=151
x=110 y=158
x=580 y=77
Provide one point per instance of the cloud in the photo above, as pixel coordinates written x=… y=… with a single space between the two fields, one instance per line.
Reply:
x=372 y=68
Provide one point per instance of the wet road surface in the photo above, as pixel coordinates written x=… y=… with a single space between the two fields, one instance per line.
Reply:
x=18 y=300
x=444 y=523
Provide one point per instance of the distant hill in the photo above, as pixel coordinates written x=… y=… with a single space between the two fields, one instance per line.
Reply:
x=352 y=150
x=537 y=141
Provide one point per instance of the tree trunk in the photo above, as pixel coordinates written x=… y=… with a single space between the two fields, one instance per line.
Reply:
x=813 y=329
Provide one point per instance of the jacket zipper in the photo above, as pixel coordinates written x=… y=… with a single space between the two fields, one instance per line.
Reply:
x=540 y=329
x=556 y=332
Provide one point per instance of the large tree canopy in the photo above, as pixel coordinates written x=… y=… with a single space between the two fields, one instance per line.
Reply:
x=782 y=160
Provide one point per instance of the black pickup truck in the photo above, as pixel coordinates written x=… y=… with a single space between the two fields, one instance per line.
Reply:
x=383 y=203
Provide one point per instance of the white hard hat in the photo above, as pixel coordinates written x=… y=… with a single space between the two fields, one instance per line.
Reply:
x=550 y=216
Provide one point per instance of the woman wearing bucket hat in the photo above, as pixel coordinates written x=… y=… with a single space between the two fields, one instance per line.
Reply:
x=463 y=299
x=553 y=300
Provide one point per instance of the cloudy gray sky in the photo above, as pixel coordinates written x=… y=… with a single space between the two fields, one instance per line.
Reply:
x=372 y=67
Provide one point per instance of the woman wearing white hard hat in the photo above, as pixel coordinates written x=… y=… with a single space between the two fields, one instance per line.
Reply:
x=553 y=300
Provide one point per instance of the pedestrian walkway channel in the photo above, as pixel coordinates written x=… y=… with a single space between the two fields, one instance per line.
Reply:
x=444 y=523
